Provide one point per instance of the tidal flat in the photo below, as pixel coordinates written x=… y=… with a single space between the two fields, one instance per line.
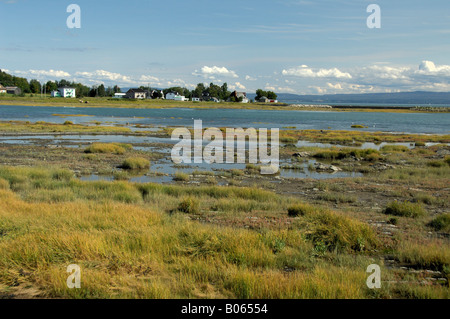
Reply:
x=152 y=229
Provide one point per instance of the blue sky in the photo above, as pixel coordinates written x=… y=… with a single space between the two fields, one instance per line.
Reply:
x=293 y=46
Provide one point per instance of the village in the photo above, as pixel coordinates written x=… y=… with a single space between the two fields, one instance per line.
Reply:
x=141 y=94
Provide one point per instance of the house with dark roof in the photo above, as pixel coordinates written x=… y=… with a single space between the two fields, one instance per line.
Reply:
x=240 y=96
x=13 y=90
x=136 y=94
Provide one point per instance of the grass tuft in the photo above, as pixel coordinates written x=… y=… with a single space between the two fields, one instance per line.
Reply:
x=133 y=163
x=405 y=209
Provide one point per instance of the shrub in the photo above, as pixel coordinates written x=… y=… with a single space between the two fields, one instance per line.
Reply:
x=405 y=209
x=189 y=205
x=136 y=163
x=441 y=223
x=359 y=126
x=68 y=123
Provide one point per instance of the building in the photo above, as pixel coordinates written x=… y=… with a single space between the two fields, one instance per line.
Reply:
x=55 y=94
x=119 y=95
x=239 y=95
x=175 y=96
x=264 y=99
x=195 y=99
x=64 y=92
x=136 y=94
x=13 y=90
x=2 y=89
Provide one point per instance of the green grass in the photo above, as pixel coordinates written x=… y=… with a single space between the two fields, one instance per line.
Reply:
x=134 y=163
x=181 y=177
x=405 y=209
x=441 y=222
x=339 y=154
x=189 y=205
x=394 y=148
x=177 y=241
x=67 y=127
x=110 y=148
x=301 y=209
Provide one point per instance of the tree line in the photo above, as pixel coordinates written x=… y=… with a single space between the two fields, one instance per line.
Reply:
x=201 y=91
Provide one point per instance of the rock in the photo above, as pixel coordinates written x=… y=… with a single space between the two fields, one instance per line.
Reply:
x=302 y=154
x=335 y=168
x=443 y=152
x=323 y=167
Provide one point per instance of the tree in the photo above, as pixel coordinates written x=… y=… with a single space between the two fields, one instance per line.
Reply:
x=51 y=86
x=268 y=94
x=117 y=89
x=199 y=90
x=225 y=93
x=101 y=90
x=35 y=86
x=271 y=95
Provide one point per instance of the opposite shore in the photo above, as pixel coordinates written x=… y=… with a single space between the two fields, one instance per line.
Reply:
x=155 y=104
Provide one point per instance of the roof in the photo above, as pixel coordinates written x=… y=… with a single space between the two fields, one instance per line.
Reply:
x=136 y=91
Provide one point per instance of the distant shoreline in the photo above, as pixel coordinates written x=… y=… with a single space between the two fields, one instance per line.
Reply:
x=158 y=104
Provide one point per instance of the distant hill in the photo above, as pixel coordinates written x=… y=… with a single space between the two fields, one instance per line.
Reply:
x=376 y=98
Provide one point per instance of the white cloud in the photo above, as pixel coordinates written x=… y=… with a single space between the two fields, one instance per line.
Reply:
x=250 y=78
x=307 y=72
x=42 y=73
x=212 y=72
x=149 y=78
x=429 y=68
x=237 y=85
x=102 y=75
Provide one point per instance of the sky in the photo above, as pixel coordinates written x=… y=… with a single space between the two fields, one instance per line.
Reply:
x=292 y=46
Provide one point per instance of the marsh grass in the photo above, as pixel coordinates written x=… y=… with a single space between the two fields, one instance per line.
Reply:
x=47 y=127
x=405 y=209
x=181 y=177
x=394 y=148
x=111 y=148
x=128 y=246
x=135 y=163
x=339 y=154
x=441 y=223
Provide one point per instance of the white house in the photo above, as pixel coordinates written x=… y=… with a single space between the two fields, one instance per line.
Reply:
x=64 y=92
x=119 y=95
x=136 y=94
x=175 y=97
x=2 y=89
x=195 y=99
